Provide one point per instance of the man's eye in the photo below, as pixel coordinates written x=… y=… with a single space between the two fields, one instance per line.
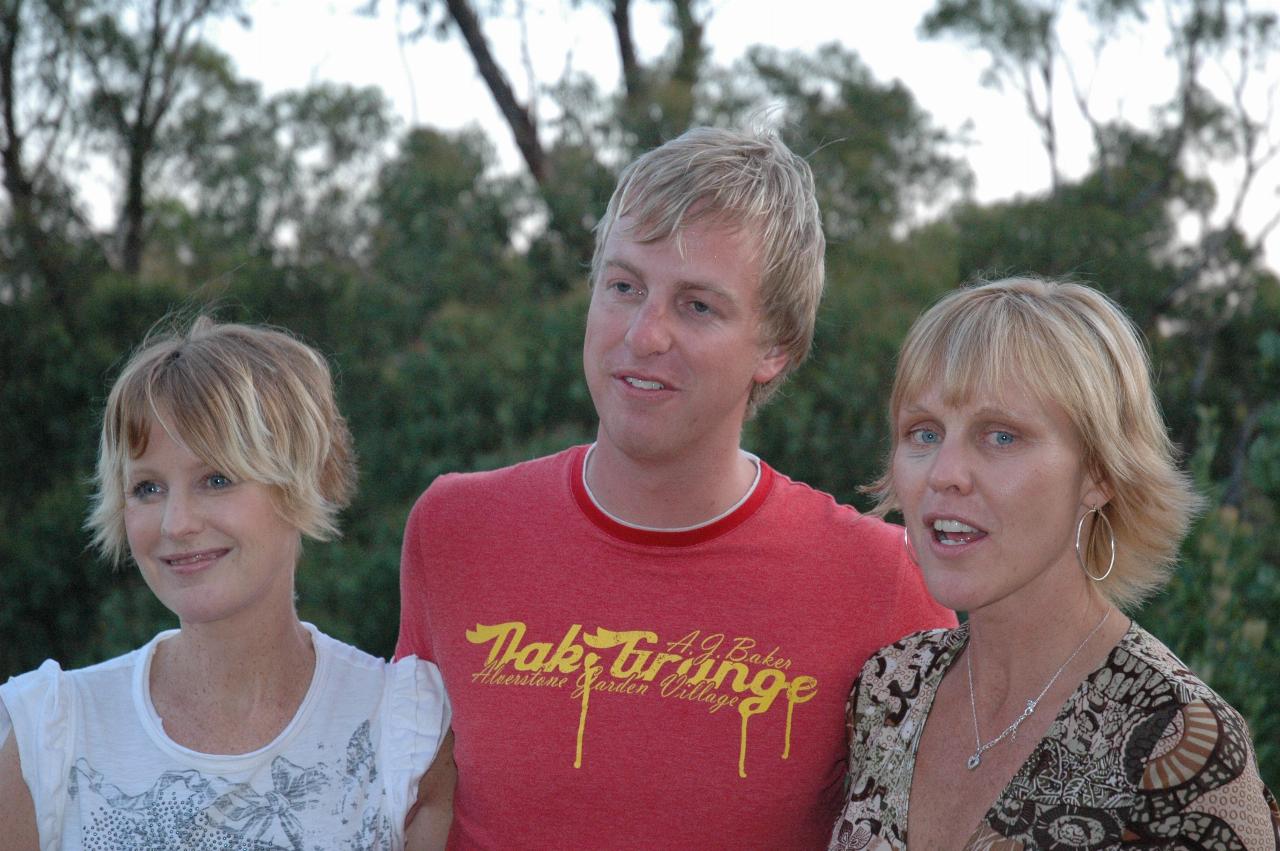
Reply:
x=699 y=307
x=1002 y=438
x=925 y=435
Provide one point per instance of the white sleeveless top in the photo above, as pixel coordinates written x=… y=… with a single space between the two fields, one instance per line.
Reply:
x=342 y=775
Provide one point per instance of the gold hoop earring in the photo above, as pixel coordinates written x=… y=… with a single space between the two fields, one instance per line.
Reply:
x=1080 y=558
x=906 y=543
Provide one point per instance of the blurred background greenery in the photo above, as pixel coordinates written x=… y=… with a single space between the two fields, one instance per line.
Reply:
x=450 y=296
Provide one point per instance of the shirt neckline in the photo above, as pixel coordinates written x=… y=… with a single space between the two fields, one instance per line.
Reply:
x=154 y=725
x=952 y=642
x=726 y=522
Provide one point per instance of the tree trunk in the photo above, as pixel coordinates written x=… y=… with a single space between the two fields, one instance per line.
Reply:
x=518 y=117
x=632 y=77
x=21 y=188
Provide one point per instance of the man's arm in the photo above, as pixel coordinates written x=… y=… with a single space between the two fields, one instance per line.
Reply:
x=17 y=811
x=427 y=825
x=414 y=638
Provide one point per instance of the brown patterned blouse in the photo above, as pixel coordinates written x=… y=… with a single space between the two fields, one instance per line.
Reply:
x=1142 y=755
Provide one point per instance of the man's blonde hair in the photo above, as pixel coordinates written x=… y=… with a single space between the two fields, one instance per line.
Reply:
x=748 y=182
x=1072 y=346
x=254 y=402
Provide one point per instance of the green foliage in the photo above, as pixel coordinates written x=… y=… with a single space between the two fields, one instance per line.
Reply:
x=451 y=303
x=442 y=228
x=877 y=156
x=1217 y=613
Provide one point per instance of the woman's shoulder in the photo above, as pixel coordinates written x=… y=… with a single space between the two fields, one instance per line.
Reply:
x=902 y=672
x=409 y=688
x=1181 y=745
x=919 y=650
x=1144 y=674
x=47 y=691
x=1139 y=650
x=352 y=661
x=412 y=712
x=1163 y=699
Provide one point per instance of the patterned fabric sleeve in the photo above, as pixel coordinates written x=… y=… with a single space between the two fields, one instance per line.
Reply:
x=1144 y=755
x=1198 y=778
x=882 y=730
x=849 y=834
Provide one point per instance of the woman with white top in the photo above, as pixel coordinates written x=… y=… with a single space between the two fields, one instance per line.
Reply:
x=244 y=728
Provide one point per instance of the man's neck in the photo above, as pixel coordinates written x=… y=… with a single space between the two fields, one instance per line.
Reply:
x=668 y=494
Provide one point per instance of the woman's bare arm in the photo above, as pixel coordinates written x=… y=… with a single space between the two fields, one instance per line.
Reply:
x=427 y=826
x=17 y=812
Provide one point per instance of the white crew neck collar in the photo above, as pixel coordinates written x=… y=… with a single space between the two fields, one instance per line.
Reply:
x=755 y=482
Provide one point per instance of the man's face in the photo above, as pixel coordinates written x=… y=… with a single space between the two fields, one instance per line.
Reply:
x=673 y=342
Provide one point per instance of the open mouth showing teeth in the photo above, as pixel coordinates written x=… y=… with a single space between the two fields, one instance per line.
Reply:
x=645 y=385
x=194 y=559
x=953 y=533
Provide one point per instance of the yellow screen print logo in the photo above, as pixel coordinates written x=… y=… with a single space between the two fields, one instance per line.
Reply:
x=710 y=669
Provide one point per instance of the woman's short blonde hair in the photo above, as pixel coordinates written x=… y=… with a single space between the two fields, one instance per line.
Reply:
x=1074 y=347
x=745 y=181
x=254 y=402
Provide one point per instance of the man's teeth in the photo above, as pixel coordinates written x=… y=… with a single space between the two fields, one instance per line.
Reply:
x=951 y=526
x=645 y=385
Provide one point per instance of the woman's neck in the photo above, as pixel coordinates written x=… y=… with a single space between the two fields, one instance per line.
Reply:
x=1015 y=652
x=222 y=689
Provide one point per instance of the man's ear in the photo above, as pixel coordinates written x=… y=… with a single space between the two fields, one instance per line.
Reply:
x=771 y=365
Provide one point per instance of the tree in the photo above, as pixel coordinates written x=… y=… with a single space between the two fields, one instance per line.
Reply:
x=46 y=243
x=143 y=60
x=444 y=229
x=282 y=178
x=879 y=161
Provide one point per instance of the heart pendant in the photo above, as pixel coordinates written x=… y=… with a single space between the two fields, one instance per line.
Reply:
x=973 y=762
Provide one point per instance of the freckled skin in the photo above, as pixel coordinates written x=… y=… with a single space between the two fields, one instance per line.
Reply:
x=243 y=552
x=1006 y=463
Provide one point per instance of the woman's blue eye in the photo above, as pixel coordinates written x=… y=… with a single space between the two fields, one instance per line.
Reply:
x=217 y=480
x=142 y=490
x=926 y=435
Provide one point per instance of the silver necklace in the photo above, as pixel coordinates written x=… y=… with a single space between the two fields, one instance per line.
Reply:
x=1012 y=729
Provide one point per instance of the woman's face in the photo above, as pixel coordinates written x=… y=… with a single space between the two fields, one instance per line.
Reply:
x=991 y=492
x=211 y=548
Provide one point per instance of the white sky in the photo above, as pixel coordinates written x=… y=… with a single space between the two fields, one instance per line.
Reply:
x=292 y=43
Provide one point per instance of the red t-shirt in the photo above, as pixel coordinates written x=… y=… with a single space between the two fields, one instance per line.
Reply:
x=621 y=688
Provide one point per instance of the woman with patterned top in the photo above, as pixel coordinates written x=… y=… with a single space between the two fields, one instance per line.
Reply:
x=1040 y=496
x=245 y=728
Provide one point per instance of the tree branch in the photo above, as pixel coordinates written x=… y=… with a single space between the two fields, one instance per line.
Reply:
x=521 y=121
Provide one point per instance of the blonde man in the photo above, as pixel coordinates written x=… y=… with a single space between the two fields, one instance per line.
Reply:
x=648 y=640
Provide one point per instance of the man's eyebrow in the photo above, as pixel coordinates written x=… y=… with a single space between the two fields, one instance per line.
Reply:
x=708 y=287
x=629 y=268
